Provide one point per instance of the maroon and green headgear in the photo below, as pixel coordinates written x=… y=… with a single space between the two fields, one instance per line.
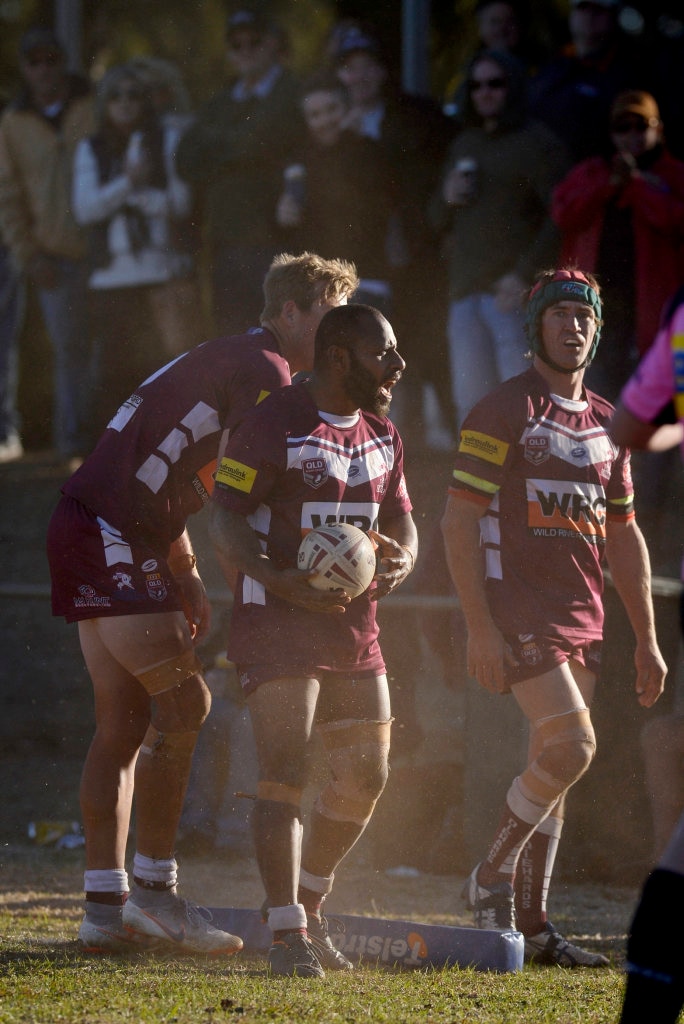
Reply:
x=565 y=285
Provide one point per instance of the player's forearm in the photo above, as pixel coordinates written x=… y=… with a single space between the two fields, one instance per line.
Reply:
x=461 y=532
x=630 y=570
x=181 y=556
x=403 y=530
x=238 y=548
x=627 y=430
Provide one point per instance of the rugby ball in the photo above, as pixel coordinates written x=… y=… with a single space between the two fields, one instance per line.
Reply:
x=342 y=556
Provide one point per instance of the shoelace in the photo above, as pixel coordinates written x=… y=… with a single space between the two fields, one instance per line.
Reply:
x=195 y=912
x=325 y=926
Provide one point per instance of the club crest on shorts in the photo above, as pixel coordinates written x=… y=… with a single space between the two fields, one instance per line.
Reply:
x=529 y=649
x=537 y=448
x=123 y=580
x=315 y=472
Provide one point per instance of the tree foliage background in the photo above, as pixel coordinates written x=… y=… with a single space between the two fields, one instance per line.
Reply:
x=191 y=33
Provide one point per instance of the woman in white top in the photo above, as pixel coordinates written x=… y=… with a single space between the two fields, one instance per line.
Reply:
x=126 y=191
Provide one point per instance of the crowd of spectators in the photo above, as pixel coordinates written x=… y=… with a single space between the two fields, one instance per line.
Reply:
x=122 y=205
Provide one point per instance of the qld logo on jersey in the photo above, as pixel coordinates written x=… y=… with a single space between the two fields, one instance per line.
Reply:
x=537 y=448
x=566 y=508
x=315 y=472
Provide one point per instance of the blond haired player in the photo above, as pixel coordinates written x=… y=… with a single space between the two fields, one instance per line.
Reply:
x=122 y=566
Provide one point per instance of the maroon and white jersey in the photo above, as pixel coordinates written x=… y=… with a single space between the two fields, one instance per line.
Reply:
x=154 y=464
x=288 y=470
x=551 y=477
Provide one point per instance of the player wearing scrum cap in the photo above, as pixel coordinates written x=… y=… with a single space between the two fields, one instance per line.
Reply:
x=539 y=485
x=321 y=451
x=122 y=566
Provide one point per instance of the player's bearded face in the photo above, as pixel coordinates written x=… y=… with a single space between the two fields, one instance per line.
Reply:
x=364 y=388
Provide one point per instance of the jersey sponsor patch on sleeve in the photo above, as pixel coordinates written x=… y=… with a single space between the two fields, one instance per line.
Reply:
x=231 y=473
x=483 y=446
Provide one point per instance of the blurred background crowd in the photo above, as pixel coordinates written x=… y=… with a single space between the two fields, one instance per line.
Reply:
x=144 y=192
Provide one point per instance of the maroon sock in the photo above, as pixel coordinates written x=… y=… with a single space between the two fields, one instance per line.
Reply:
x=311 y=901
x=533 y=876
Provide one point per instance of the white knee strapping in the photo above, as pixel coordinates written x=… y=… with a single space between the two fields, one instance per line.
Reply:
x=568 y=746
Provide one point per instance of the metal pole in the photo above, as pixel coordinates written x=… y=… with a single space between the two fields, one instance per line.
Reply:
x=69 y=30
x=415 y=45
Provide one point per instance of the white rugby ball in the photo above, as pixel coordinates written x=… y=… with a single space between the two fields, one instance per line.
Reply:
x=342 y=556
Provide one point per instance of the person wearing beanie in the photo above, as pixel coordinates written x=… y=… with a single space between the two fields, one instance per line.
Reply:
x=539 y=488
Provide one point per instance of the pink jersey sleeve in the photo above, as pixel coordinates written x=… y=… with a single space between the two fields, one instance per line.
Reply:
x=651 y=387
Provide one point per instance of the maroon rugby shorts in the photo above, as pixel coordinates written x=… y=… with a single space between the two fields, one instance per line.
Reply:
x=539 y=654
x=96 y=572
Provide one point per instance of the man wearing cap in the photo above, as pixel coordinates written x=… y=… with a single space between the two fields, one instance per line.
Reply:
x=234 y=154
x=38 y=134
x=540 y=494
x=621 y=215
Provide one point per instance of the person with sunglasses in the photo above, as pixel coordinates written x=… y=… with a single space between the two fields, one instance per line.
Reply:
x=492 y=214
x=621 y=215
x=39 y=130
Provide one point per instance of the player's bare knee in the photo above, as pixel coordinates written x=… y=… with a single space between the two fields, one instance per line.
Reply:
x=358 y=757
x=184 y=708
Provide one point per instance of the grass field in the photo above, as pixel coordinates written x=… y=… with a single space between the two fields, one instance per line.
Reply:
x=45 y=978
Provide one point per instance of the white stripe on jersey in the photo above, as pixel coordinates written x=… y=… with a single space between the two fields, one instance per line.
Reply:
x=115 y=547
x=199 y=422
x=355 y=466
x=260 y=521
x=578 y=447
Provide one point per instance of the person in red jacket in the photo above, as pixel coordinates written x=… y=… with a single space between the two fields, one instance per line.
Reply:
x=621 y=216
